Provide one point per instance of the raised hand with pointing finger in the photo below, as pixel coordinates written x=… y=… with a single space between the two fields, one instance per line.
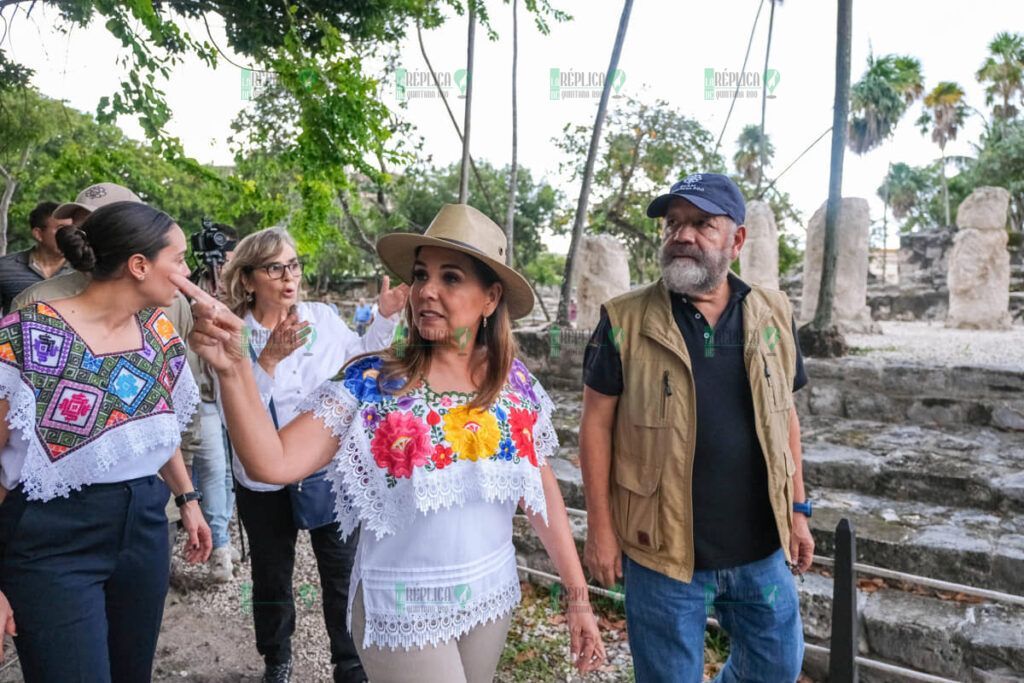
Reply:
x=391 y=301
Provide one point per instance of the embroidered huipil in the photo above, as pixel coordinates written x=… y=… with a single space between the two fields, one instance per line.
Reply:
x=433 y=486
x=79 y=418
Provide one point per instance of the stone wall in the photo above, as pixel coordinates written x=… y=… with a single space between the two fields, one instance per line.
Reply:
x=851 y=387
x=923 y=259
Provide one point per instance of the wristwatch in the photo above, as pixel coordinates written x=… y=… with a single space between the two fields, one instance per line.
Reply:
x=187 y=497
x=803 y=508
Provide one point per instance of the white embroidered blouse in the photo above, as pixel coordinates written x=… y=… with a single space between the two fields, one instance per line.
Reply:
x=433 y=486
x=79 y=418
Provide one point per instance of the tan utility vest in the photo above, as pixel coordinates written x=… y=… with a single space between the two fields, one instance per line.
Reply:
x=656 y=421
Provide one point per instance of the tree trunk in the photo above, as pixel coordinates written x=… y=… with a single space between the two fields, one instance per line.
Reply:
x=464 y=168
x=10 y=185
x=462 y=141
x=510 y=215
x=945 y=183
x=827 y=339
x=764 y=100
x=10 y=177
x=588 y=169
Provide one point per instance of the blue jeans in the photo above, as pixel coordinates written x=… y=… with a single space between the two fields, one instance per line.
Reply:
x=211 y=474
x=755 y=603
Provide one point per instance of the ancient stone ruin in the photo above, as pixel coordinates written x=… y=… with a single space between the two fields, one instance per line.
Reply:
x=979 y=264
x=603 y=275
x=851 y=313
x=759 y=259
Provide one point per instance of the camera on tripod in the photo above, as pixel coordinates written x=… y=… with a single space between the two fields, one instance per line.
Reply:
x=209 y=247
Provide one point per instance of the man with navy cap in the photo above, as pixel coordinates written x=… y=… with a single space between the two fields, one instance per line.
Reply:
x=690 y=451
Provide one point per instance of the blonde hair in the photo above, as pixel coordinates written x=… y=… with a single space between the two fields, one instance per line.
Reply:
x=252 y=252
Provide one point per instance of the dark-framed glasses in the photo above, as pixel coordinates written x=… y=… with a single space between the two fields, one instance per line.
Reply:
x=275 y=271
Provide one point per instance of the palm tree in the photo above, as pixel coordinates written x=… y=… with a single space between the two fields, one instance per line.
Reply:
x=464 y=169
x=880 y=98
x=588 y=169
x=902 y=189
x=1003 y=71
x=821 y=337
x=751 y=146
x=944 y=115
x=510 y=215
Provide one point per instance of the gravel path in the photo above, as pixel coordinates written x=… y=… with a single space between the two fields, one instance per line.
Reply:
x=933 y=343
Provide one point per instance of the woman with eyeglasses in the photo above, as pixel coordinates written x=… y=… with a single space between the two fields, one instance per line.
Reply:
x=294 y=346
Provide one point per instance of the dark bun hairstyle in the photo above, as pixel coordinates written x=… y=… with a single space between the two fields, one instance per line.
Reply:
x=111 y=235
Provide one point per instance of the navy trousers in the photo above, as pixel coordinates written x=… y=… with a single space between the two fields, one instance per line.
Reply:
x=87 y=576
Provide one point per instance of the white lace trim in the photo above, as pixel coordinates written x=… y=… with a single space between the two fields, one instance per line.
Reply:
x=391 y=630
x=43 y=479
x=362 y=495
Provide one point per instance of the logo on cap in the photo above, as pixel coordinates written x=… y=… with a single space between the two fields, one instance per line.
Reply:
x=95 y=192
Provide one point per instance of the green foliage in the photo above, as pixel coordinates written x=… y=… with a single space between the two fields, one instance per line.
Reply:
x=748 y=152
x=944 y=113
x=73 y=151
x=790 y=253
x=546 y=269
x=1003 y=75
x=422 y=190
x=1000 y=162
x=646 y=147
x=880 y=98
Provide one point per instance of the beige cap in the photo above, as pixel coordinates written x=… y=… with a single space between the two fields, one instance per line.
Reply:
x=95 y=196
x=461 y=228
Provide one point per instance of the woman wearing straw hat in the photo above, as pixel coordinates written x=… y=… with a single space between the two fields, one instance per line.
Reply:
x=431 y=446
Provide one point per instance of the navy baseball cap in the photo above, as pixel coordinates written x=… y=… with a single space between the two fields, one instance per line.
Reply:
x=711 y=192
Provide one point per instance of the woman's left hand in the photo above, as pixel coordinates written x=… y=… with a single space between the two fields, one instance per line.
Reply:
x=391 y=301
x=199 y=543
x=585 y=642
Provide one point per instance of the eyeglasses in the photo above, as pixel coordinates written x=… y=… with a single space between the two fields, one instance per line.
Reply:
x=275 y=271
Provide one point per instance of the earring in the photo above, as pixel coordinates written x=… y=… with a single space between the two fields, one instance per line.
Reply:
x=485 y=322
x=250 y=297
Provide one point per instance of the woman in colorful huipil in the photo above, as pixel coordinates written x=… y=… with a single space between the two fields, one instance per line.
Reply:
x=431 y=446
x=94 y=395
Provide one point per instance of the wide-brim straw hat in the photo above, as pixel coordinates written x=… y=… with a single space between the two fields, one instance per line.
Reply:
x=461 y=228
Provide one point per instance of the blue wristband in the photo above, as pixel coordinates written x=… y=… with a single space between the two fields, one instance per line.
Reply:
x=803 y=508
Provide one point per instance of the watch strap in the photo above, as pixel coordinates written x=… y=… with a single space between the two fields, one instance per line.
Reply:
x=188 y=497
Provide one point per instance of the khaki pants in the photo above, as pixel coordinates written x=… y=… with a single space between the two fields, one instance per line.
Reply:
x=471 y=658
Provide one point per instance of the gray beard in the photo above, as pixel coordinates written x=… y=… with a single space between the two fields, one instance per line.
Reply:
x=685 y=276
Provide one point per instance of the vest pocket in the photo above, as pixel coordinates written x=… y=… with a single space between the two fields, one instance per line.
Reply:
x=637 y=499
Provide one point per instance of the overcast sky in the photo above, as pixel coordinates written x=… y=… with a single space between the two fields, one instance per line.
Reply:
x=668 y=47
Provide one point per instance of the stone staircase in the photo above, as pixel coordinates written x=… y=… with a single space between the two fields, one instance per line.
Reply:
x=928 y=465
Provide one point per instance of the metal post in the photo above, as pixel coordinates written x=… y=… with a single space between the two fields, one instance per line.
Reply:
x=842 y=662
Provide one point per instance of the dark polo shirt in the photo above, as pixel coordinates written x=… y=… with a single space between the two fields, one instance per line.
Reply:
x=18 y=273
x=733 y=522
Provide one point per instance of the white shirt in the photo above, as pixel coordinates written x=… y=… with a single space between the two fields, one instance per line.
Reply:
x=330 y=345
x=433 y=487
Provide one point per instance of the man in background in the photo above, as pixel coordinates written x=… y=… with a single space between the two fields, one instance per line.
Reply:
x=22 y=269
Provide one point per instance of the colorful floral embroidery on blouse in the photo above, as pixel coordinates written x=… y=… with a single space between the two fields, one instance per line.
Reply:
x=431 y=447
x=412 y=436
